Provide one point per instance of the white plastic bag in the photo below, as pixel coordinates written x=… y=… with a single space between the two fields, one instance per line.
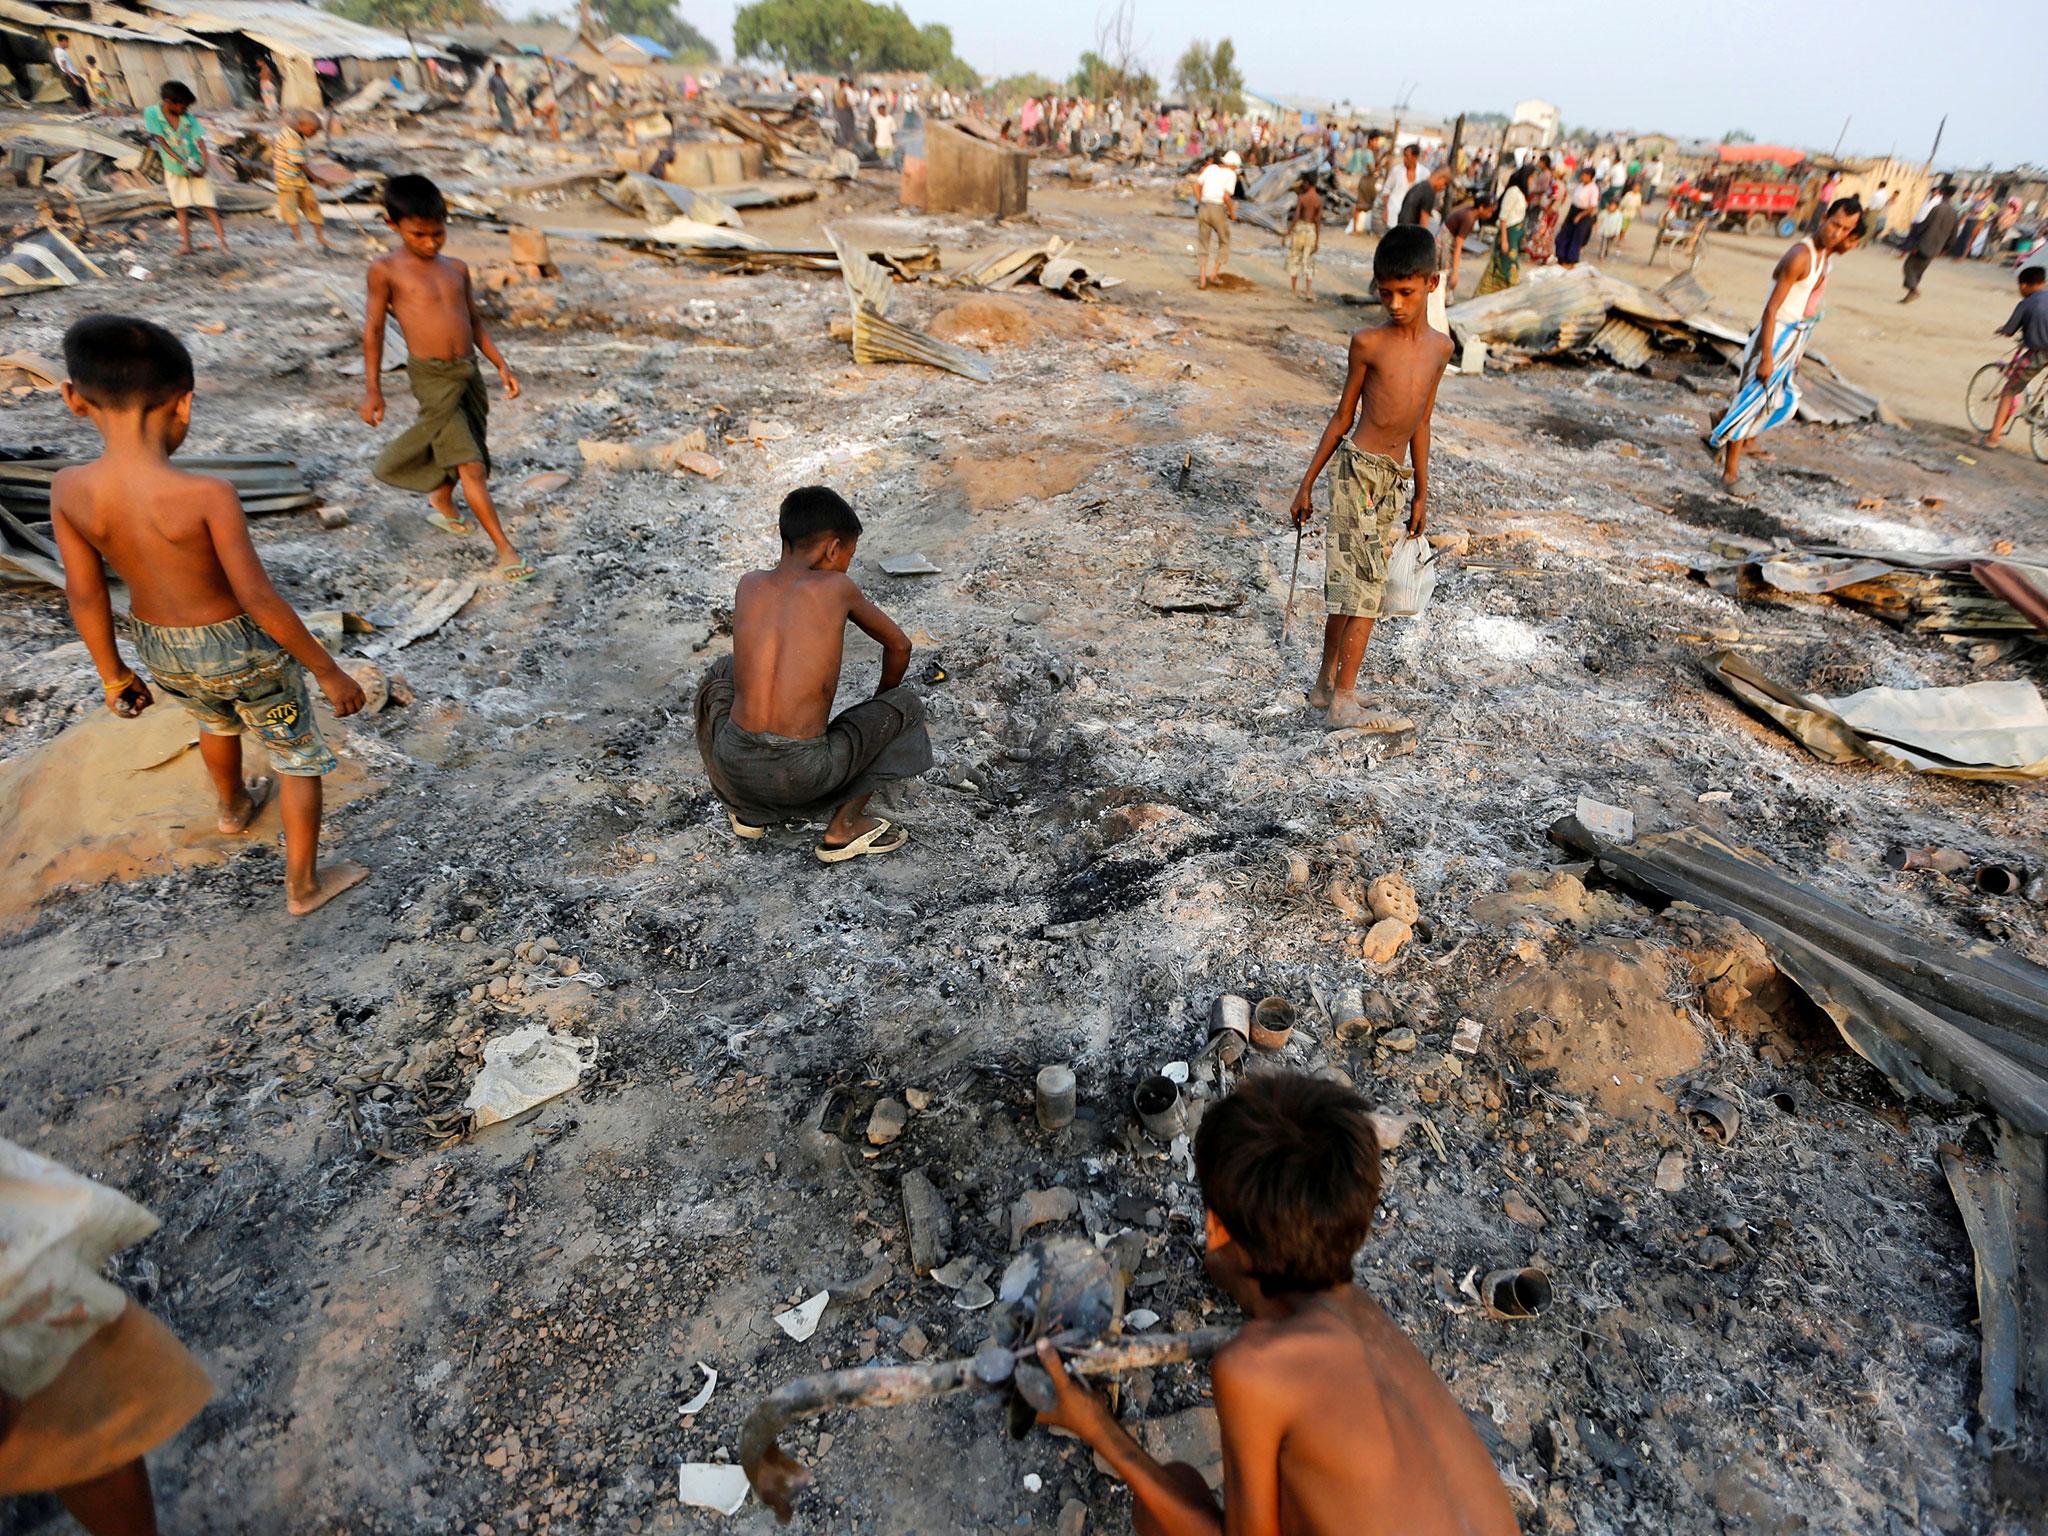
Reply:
x=1411 y=577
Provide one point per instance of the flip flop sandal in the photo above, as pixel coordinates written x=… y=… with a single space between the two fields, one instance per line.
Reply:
x=742 y=830
x=870 y=841
x=512 y=575
x=447 y=524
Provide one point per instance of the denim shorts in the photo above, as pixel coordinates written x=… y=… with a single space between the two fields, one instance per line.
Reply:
x=233 y=677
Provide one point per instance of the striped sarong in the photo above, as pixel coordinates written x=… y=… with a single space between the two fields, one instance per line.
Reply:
x=1761 y=404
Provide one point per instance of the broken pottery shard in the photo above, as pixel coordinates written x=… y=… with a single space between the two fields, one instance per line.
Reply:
x=762 y=430
x=1388 y=1130
x=376 y=686
x=957 y=1273
x=929 y=1222
x=1036 y=1207
x=528 y=1066
x=1383 y=940
x=1520 y=1208
x=973 y=1296
x=1606 y=821
x=1671 y=1172
x=1343 y=895
x=696 y=1404
x=712 y=1485
x=547 y=481
x=700 y=463
x=800 y=1322
x=1392 y=896
x=886 y=1121
x=907 y=565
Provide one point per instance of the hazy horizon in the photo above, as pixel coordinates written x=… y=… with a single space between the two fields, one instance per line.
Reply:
x=1687 y=72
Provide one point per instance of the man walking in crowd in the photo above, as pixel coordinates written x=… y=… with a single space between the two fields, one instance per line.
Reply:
x=1929 y=238
x=501 y=98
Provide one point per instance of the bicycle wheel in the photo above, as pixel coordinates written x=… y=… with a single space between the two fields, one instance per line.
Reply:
x=1986 y=385
x=2039 y=419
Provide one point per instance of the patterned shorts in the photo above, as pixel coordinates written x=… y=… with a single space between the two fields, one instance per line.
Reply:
x=232 y=677
x=1365 y=504
x=1301 y=252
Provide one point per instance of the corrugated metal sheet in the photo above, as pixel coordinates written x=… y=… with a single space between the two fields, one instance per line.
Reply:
x=129 y=29
x=302 y=29
x=1828 y=398
x=1624 y=342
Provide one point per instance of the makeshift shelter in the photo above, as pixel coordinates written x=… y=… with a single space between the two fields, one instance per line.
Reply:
x=137 y=52
x=318 y=56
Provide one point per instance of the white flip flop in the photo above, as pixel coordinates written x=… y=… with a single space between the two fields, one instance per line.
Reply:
x=742 y=830
x=868 y=842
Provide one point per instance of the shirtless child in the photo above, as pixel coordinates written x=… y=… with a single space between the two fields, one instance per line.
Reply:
x=208 y=624
x=1333 y=1423
x=430 y=295
x=772 y=748
x=1390 y=392
x=1304 y=238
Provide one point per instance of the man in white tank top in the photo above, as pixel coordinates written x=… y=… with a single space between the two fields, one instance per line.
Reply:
x=1767 y=389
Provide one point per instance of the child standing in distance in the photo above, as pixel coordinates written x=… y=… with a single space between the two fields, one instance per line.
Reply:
x=1333 y=1423
x=444 y=331
x=288 y=169
x=1389 y=392
x=181 y=143
x=1304 y=238
x=209 y=626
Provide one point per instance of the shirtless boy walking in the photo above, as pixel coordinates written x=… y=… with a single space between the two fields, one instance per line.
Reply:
x=444 y=331
x=1390 y=393
x=1333 y=1423
x=209 y=626
x=772 y=748
x=1304 y=238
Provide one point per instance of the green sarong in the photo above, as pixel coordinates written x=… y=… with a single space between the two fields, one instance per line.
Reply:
x=1504 y=269
x=453 y=428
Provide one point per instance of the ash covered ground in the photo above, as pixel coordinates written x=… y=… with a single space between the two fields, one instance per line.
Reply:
x=1134 y=811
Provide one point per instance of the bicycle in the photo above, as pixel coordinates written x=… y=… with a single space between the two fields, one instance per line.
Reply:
x=1987 y=388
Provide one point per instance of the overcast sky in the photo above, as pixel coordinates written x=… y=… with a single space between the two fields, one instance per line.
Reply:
x=1784 y=72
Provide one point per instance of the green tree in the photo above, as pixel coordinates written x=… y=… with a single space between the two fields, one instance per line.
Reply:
x=954 y=75
x=838 y=36
x=400 y=14
x=1208 y=78
x=1098 y=79
x=660 y=20
x=1738 y=136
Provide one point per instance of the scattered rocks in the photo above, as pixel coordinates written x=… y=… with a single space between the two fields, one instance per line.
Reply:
x=886 y=1121
x=1037 y=1208
x=929 y=1222
x=1392 y=898
x=1383 y=940
x=1520 y=1208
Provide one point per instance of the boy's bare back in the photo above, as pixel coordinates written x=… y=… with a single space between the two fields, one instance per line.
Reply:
x=1339 y=1406
x=1396 y=372
x=163 y=530
x=431 y=300
x=788 y=640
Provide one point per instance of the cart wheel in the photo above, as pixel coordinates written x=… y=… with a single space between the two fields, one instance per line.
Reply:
x=1787 y=227
x=1756 y=224
x=1981 y=403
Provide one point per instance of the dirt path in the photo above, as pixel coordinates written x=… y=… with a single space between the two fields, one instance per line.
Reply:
x=496 y=1334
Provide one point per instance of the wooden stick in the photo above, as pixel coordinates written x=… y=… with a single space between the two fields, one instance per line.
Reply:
x=1287 y=619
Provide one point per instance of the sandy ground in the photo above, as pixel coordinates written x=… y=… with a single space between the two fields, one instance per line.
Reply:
x=415 y=1331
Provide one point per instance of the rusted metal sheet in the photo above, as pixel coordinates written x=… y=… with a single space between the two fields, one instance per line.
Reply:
x=877 y=338
x=1623 y=342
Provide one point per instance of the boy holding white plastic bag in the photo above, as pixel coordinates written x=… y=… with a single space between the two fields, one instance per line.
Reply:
x=1390 y=394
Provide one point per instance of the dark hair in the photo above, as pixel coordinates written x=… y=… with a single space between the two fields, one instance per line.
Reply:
x=1291 y=1167
x=1850 y=204
x=812 y=510
x=1406 y=250
x=2033 y=274
x=116 y=361
x=413 y=197
x=177 y=91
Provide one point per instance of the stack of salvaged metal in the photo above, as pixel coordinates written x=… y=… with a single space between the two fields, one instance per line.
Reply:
x=1950 y=594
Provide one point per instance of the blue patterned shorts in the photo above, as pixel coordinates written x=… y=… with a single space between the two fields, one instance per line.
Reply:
x=232 y=677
